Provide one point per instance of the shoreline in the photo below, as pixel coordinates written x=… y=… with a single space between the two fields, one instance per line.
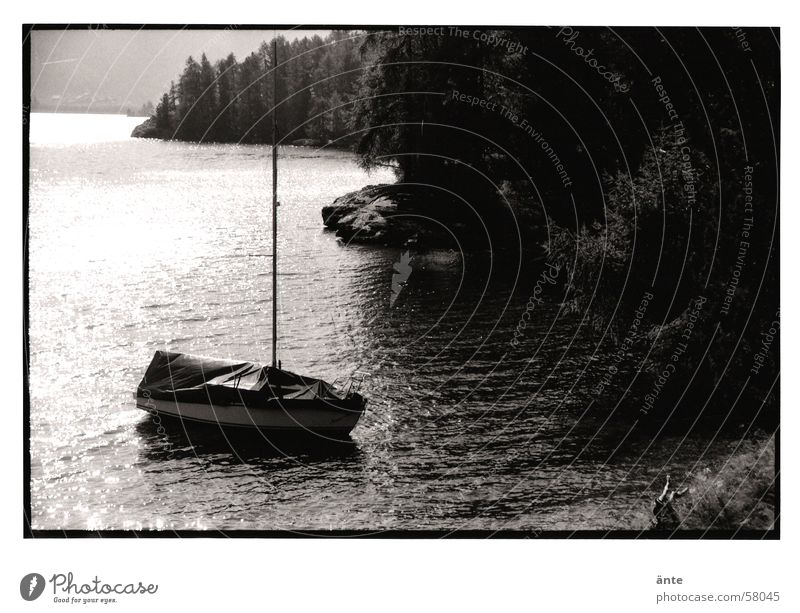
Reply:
x=429 y=217
x=149 y=129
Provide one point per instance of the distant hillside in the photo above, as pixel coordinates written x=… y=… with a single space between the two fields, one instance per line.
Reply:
x=111 y=71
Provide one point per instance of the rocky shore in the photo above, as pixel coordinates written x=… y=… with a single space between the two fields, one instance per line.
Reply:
x=415 y=215
x=149 y=129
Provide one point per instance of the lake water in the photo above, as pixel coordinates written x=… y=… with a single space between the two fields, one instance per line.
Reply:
x=139 y=245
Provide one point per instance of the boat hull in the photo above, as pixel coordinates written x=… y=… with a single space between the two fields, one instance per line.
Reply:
x=285 y=416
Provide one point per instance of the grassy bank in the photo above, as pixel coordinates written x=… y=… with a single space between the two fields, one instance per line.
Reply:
x=738 y=494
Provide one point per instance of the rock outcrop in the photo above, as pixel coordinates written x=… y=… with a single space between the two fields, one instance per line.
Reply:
x=398 y=215
x=428 y=217
x=149 y=129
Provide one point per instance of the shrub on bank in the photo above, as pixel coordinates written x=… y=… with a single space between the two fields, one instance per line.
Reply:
x=740 y=494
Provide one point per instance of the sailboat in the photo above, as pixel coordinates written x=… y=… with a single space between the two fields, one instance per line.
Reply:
x=235 y=394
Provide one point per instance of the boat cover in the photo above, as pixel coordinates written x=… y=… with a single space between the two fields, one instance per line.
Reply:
x=189 y=378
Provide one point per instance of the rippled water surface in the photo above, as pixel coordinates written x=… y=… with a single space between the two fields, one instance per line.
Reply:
x=140 y=245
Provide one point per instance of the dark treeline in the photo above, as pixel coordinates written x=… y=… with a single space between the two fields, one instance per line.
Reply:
x=666 y=221
x=233 y=101
x=648 y=157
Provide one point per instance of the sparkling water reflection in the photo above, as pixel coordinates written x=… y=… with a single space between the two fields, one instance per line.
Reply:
x=140 y=245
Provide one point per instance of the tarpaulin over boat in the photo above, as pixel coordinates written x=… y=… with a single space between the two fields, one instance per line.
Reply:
x=191 y=378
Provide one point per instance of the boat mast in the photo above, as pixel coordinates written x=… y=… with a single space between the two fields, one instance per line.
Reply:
x=274 y=204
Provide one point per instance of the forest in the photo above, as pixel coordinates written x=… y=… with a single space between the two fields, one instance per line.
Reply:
x=232 y=101
x=649 y=158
